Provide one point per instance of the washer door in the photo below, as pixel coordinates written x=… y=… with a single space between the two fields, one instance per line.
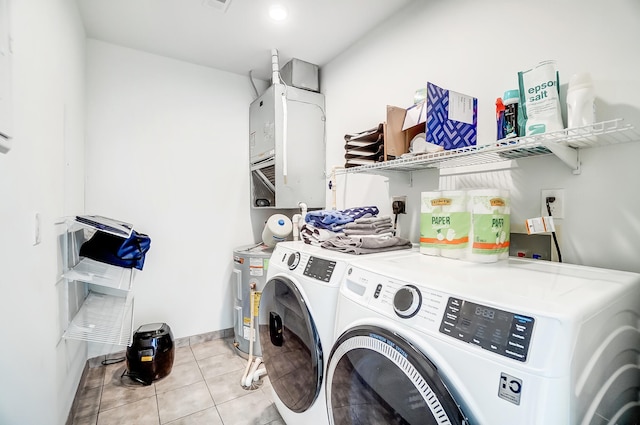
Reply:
x=291 y=348
x=377 y=377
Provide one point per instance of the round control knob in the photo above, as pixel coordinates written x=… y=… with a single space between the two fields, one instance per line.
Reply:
x=407 y=301
x=293 y=260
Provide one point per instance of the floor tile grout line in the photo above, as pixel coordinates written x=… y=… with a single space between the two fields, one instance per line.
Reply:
x=105 y=377
x=158 y=409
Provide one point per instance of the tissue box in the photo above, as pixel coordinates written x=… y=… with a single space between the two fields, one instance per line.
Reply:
x=451 y=118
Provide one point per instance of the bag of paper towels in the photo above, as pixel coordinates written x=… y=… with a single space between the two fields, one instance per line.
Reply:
x=276 y=229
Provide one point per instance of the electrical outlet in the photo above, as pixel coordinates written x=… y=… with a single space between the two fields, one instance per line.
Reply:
x=402 y=206
x=557 y=206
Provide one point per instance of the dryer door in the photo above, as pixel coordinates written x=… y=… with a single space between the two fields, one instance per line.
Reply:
x=377 y=377
x=290 y=343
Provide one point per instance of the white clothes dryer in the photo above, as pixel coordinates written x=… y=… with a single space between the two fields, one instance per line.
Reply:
x=296 y=326
x=429 y=340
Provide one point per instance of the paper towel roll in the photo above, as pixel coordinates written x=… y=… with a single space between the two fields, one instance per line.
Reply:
x=276 y=229
x=507 y=210
x=455 y=223
x=428 y=240
x=490 y=225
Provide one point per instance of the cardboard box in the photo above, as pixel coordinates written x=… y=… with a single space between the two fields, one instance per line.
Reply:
x=397 y=139
x=451 y=118
x=448 y=118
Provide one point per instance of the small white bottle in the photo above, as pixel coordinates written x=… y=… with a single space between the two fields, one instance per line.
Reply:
x=581 y=108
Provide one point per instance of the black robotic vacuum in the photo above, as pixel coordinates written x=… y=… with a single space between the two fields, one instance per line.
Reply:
x=150 y=356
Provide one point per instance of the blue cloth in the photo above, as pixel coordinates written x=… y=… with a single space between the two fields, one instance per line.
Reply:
x=335 y=220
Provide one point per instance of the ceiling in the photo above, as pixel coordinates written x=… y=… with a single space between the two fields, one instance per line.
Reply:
x=235 y=35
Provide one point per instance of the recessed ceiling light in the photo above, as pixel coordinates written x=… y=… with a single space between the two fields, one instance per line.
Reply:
x=278 y=12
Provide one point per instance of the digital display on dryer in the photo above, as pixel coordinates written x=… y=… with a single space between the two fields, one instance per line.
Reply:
x=499 y=331
x=319 y=268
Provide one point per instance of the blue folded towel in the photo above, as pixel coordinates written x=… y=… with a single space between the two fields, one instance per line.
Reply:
x=335 y=220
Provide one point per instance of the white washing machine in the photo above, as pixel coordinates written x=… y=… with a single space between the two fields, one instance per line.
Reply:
x=428 y=340
x=296 y=326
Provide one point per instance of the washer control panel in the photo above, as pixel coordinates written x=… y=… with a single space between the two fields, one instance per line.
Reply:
x=434 y=311
x=498 y=331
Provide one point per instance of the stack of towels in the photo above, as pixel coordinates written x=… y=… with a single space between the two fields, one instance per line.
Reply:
x=326 y=224
x=354 y=231
x=370 y=226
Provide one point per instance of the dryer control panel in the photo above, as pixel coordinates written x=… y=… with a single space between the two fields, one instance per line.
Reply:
x=495 y=330
x=302 y=264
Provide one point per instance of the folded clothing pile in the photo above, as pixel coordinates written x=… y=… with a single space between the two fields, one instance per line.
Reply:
x=370 y=227
x=322 y=225
x=366 y=245
x=315 y=236
x=335 y=220
x=353 y=231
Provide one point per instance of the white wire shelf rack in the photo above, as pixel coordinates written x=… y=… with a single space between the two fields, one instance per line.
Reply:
x=565 y=144
x=102 y=274
x=104 y=319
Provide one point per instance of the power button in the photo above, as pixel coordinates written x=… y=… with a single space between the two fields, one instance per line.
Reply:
x=293 y=260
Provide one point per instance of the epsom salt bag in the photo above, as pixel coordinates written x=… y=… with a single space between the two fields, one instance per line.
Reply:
x=539 y=108
x=116 y=250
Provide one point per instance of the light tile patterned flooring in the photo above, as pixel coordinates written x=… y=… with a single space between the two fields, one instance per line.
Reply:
x=202 y=388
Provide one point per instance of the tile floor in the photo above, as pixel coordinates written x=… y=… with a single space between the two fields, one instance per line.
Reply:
x=202 y=388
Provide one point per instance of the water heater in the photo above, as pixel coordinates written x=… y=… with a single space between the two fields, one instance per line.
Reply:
x=287 y=148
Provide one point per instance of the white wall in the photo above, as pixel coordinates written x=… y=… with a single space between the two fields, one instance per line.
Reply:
x=167 y=150
x=41 y=173
x=477 y=48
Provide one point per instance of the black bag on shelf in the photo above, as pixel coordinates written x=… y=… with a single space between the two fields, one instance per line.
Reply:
x=118 y=251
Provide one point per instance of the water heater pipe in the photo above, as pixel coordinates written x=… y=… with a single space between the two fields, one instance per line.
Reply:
x=251 y=335
x=295 y=220
x=303 y=209
x=258 y=373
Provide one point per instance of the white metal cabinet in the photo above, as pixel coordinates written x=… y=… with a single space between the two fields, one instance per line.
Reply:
x=287 y=148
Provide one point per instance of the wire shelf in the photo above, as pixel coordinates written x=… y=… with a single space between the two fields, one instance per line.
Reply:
x=102 y=274
x=104 y=319
x=562 y=143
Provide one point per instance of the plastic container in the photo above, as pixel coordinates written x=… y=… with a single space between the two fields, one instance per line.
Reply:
x=276 y=229
x=510 y=100
x=500 y=118
x=581 y=109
